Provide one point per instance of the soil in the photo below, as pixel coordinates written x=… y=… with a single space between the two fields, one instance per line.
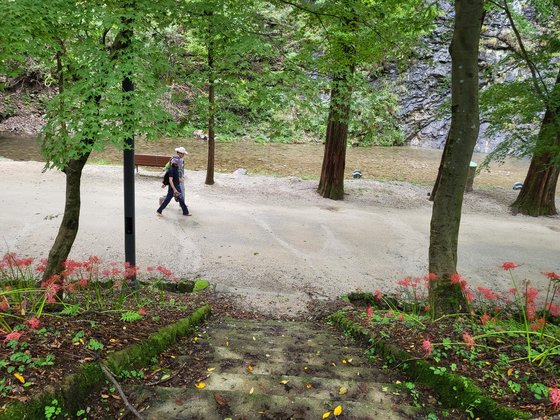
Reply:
x=496 y=368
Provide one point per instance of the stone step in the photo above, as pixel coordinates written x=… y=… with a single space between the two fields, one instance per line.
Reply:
x=340 y=371
x=254 y=356
x=304 y=385
x=271 y=327
x=203 y=404
x=290 y=338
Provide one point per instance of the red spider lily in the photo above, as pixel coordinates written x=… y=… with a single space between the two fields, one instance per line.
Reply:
x=531 y=294
x=538 y=324
x=164 y=271
x=14 y=335
x=552 y=275
x=401 y=317
x=83 y=282
x=468 y=339
x=531 y=311
x=431 y=277
x=508 y=265
x=142 y=311
x=488 y=294
x=469 y=295
x=150 y=268
x=369 y=311
x=405 y=282
x=553 y=310
x=4 y=304
x=455 y=278
x=427 y=347
x=485 y=318
x=554 y=395
x=94 y=259
x=377 y=294
x=51 y=286
x=33 y=323
x=130 y=271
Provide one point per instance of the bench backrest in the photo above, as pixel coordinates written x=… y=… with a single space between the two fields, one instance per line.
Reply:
x=151 y=160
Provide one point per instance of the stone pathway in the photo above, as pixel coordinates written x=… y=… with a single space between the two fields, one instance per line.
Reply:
x=278 y=370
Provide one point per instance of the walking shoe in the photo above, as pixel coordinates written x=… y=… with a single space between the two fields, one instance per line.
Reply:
x=159 y=214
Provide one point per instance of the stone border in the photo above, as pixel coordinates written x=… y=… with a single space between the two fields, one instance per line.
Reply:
x=453 y=390
x=76 y=387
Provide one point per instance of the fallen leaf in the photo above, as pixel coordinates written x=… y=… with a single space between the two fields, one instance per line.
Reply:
x=326 y=415
x=19 y=378
x=338 y=410
x=343 y=390
x=115 y=396
x=249 y=369
x=165 y=376
x=254 y=339
x=112 y=340
x=227 y=343
x=510 y=371
x=398 y=382
x=284 y=382
x=344 y=361
x=104 y=396
x=251 y=390
x=333 y=363
x=200 y=385
x=309 y=386
x=349 y=360
x=220 y=400
x=211 y=369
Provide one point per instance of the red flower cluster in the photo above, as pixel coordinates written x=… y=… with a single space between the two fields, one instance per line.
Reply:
x=508 y=265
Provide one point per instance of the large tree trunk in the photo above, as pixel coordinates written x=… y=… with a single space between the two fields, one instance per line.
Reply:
x=538 y=194
x=331 y=184
x=446 y=215
x=69 y=226
x=440 y=169
x=211 y=107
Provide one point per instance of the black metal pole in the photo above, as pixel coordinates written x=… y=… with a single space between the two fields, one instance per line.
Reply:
x=128 y=177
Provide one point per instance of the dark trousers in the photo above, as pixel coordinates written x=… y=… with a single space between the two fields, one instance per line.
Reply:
x=169 y=197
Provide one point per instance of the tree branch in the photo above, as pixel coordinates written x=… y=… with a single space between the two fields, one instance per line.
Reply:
x=109 y=375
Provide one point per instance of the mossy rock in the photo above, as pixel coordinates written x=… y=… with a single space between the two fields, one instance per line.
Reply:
x=200 y=285
x=76 y=387
x=453 y=390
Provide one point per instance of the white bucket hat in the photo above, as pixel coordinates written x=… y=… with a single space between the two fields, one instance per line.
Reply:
x=181 y=150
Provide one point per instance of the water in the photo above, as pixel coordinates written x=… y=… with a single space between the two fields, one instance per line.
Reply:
x=412 y=164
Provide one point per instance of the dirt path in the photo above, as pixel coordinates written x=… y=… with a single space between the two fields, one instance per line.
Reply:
x=274 y=240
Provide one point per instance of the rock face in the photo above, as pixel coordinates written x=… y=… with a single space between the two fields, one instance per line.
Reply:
x=425 y=87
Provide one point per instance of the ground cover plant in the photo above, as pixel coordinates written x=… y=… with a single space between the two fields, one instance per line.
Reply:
x=507 y=343
x=49 y=328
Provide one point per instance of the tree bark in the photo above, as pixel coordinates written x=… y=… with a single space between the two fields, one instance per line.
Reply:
x=440 y=169
x=331 y=184
x=70 y=221
x=211 y=107
x=446 y=215
x=538 y=194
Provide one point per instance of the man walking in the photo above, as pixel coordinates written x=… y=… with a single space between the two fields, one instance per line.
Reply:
x=174 y=189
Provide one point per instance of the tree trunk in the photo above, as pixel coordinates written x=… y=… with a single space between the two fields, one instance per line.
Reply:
x=211 y=107
x=436 y=184
x=538 y=194
x=69 y=226
x=463 y=133
x=331 y=184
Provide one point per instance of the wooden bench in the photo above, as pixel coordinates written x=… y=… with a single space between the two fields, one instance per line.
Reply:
x=150 y=160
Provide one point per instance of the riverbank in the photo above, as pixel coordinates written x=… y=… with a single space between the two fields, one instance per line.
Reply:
x=405 y=164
